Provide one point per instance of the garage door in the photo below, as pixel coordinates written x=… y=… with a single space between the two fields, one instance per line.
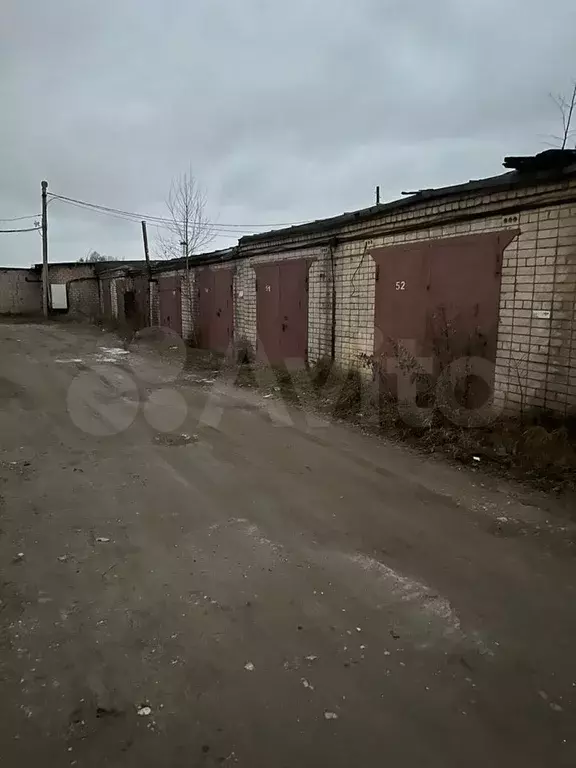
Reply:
x=169 y=294
x=439 y=299
x=282 y=312
x=215 y=309
x=106 y=299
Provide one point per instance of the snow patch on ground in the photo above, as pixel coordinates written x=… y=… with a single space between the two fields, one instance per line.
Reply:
x=111 y=354
x=410 y=590
x=255 y=533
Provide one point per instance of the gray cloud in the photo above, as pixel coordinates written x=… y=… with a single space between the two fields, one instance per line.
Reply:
x=286 y=111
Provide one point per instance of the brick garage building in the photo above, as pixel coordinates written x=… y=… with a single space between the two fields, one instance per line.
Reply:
x=496 y=258
x=20 y=292
x=531 y=213
x=82 y=287
x=21 y=289
x=125 y=294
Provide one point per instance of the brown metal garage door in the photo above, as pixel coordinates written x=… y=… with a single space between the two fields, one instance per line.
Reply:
x=142 y=291
x=120 y=288
x=136 y=303
x=282 y=312
x=439 y=299
x=106 y=299
x=216 y=317
x=169 y=294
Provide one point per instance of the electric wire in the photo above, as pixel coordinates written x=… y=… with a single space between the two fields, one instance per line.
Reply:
x=12 y=231
x=134 y=216
x=21 y=218
x=169 y=225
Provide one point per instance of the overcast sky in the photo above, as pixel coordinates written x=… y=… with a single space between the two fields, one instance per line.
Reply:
x=286 y=111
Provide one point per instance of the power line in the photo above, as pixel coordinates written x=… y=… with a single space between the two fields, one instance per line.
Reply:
x=11 y=231
x=21 y=218
x=161 y=219
x=164 y=224
x=81 y=206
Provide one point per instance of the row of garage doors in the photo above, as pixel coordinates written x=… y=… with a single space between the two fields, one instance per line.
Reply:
x=434 y=294
x=281 y=309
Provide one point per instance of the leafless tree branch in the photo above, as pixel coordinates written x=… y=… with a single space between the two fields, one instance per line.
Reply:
x=188 y=229
x=566 y=107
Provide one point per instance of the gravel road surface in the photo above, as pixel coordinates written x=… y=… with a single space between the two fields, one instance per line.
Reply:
x=192 y=574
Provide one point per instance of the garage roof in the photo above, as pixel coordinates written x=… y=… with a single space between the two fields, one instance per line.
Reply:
x=545 y=167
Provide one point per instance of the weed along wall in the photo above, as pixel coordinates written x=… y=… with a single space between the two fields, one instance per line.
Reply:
x=484 y=273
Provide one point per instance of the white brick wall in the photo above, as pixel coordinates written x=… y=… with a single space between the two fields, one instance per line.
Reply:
x=114 y=298
x=189 y=296
x=355 y=292
x=536 y=361
x=244 y=284
x=320 y=283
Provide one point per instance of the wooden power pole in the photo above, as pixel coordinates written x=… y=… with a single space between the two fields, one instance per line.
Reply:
x=146 y=252
x=44 y=250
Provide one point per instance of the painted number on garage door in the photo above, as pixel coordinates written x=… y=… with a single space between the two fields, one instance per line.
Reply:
x=401 y=285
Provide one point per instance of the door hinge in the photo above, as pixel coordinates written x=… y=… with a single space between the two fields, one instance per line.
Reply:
x=377 y=272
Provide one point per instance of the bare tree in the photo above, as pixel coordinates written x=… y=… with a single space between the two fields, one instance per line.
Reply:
x=91 y=257
x=566 y=107
x=188 y=227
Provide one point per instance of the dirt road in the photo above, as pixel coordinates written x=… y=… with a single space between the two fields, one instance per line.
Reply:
x=259 y=588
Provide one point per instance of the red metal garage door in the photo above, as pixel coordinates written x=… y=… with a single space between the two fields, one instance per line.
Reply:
x=223 y=324
x=169 y=294
x=439 y=298
x=282 y=312
x=465 y=292
x=106 y=299
x=205 y=288
x=216 y=318
x=141 y=288
x=120 y=288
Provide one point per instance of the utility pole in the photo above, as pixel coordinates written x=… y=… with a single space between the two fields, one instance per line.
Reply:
x=146 y=252
x=44 y=250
